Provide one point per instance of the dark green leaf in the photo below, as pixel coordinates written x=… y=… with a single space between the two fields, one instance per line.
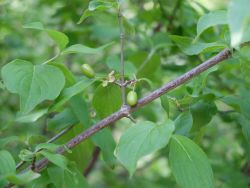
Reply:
x=107 y=100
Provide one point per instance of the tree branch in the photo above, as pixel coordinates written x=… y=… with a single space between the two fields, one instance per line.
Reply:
x=92 y=162
x=126 y=110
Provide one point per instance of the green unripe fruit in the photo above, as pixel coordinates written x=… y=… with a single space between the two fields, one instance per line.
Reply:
x=132 y=98
x=87 y=70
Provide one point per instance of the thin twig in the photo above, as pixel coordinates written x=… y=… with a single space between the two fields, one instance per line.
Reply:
x=122 y=35
x=92 y=162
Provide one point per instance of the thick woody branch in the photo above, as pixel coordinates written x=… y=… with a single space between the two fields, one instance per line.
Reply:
x=126 y=110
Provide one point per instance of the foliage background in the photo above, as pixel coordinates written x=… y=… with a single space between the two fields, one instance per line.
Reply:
x=220 y=93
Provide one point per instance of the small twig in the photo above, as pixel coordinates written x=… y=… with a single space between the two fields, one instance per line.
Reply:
x=126 y=83
x=33 y=163
x=92 y=162
x=122 y=35
x=129 y=116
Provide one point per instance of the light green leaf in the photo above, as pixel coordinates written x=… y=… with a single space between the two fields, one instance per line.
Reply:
x=69 y=77
x=165 y=103
x=32 y=117
x=189 y=164
x=24 y=178
x=239 y=20
x=107 y=100
x=79 y=48
x=71 y=91
x=183 y=123
x=57 y=159
x=7 y=163
x=34 y=25
x=26 y=155
x=74 y=179
x=33 y=83
x=56 y=175
x=142 y=139
x=211 y=19
x=48 y=146
x=189 y=47
x=60 y=38
x=96 y=6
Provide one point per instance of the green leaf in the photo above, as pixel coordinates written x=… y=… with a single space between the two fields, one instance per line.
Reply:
x=239 y=20
x=48 y=146
x=79 y=48
x=183 y=123
x=140 y=140
x=165 y=103
x=24 y=178
x=34 y=25
x=245 y=122
x=62 y=120
x=95 y=6
x=146 y=64
x=7 y=163
x=69 y=77
x=189 y=47
x=105 y=141
x=26 y=155
x=74 y=179
x=56 y=175
x=211 y=19
x=189 y=164
x=33 y=83
x=202 y=112
x=113 y=62
x=65 y=179
x=71 y=91
x=107 y=100
x=31 y=117
x=56 y=159
x=60 y=38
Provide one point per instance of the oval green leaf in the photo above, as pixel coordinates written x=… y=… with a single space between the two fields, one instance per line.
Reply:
x=189 y=164
x=140 y=140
